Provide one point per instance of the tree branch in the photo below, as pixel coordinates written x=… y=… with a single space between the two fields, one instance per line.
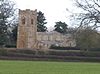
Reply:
x=96 y=3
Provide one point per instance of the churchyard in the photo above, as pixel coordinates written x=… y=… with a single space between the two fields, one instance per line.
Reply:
x=27 y=47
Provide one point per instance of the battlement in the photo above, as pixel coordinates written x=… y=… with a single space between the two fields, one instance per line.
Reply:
x=28 y=11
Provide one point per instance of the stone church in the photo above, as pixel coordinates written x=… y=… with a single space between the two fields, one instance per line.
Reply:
x=28 y=37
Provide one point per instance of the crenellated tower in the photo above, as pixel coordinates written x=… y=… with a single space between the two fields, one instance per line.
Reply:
x=27 y=28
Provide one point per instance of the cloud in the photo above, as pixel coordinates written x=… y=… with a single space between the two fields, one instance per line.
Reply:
x=54 y=10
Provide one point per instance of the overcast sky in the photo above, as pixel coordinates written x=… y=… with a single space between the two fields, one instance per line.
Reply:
x=54 y=10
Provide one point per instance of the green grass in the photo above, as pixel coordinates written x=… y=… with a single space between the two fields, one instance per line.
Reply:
x=41 y=67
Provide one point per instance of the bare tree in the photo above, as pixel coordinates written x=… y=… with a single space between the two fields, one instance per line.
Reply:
x=7 y=11
x=90 y=15
x=88 y=38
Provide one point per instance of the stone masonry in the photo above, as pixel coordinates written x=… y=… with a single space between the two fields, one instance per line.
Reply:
x=27 y=29
x=28 y=37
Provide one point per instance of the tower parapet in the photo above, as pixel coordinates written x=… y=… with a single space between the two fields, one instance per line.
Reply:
x=27 y=29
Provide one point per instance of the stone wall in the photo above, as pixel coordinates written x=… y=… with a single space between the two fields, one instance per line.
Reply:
x=46 y=39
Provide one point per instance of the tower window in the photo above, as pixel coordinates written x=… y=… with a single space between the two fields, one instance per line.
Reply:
x=31 y=21
x=23 y=21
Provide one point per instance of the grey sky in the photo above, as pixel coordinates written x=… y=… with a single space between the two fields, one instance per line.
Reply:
x=54 y=10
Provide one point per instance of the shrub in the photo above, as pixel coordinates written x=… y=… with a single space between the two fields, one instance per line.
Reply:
x=10 y=46
x=23 y=51
x=94 y=49
x=63 y=48
x=3 y=52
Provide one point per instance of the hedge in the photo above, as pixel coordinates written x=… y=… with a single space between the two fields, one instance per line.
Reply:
x=60 y=55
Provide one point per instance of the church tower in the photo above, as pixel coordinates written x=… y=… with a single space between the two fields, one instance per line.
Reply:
x=27 y=28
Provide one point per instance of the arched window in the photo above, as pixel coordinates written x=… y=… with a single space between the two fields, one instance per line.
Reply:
x=23 y=21
x=31 y=21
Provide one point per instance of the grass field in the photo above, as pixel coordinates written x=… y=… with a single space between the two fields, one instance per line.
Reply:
x=40 y=67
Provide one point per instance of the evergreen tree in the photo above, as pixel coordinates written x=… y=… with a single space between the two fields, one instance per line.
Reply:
x=41 y=22
x=61 y=27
